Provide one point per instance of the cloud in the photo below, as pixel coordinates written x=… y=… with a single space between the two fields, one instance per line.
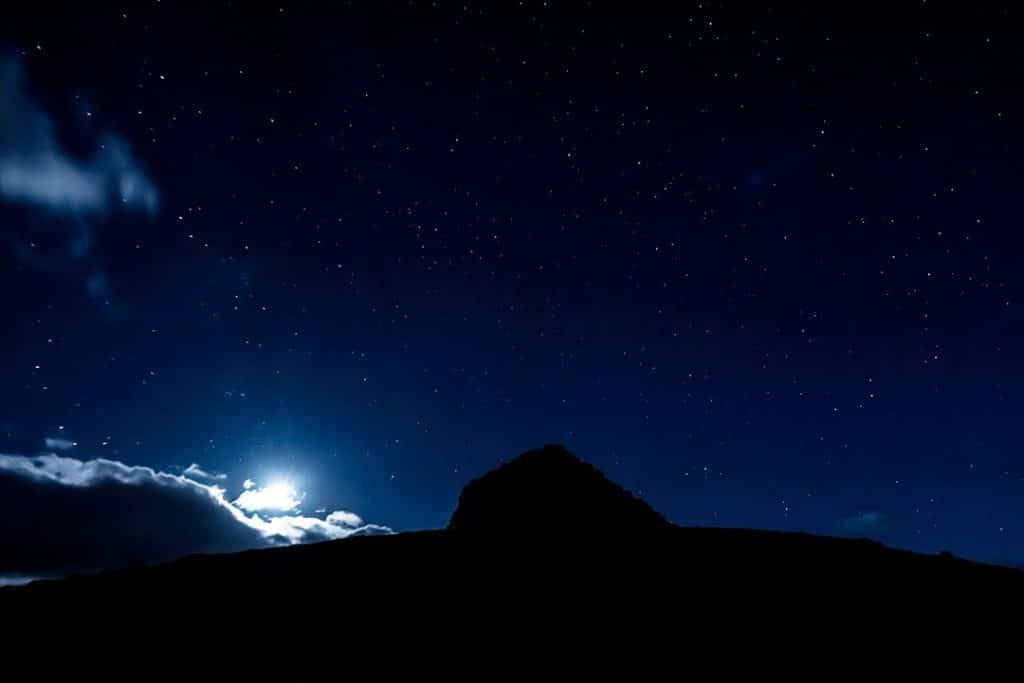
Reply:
x=248 y=484
x=296 y=529
x=279 y=497
x=194 y=470
x=62 y=515
x=345 y=519
x=59 y=444
x=864 y=522
x=16 y=580
x=36 y=169
x=64 y=195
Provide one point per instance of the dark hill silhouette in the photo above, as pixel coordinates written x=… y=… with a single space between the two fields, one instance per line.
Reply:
x=550 y=491
x=544 y=547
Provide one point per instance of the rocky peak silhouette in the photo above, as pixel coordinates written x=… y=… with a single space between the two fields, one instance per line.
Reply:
x=549 y=491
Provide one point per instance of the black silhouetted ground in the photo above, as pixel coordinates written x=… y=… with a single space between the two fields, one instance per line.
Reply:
x=544 y=546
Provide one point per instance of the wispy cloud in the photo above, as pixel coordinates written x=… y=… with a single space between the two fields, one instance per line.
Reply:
x=58 y=443
x=62 y=514
x=863 y=522
x=195 y=471
x=36 y=169
x=67 y=196
x=16 y=580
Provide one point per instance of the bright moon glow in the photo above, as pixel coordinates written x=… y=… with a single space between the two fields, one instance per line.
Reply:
x=279 y=496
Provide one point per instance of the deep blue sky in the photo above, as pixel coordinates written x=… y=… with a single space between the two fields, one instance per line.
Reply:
x=759 y=265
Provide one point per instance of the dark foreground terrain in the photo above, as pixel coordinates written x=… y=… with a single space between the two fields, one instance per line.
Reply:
x=544 y=547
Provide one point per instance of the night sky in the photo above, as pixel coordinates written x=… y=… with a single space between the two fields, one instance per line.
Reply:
x=759 y=265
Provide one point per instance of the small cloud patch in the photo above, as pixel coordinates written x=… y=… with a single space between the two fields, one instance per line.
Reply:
x=864 y=522
x=195 y=471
